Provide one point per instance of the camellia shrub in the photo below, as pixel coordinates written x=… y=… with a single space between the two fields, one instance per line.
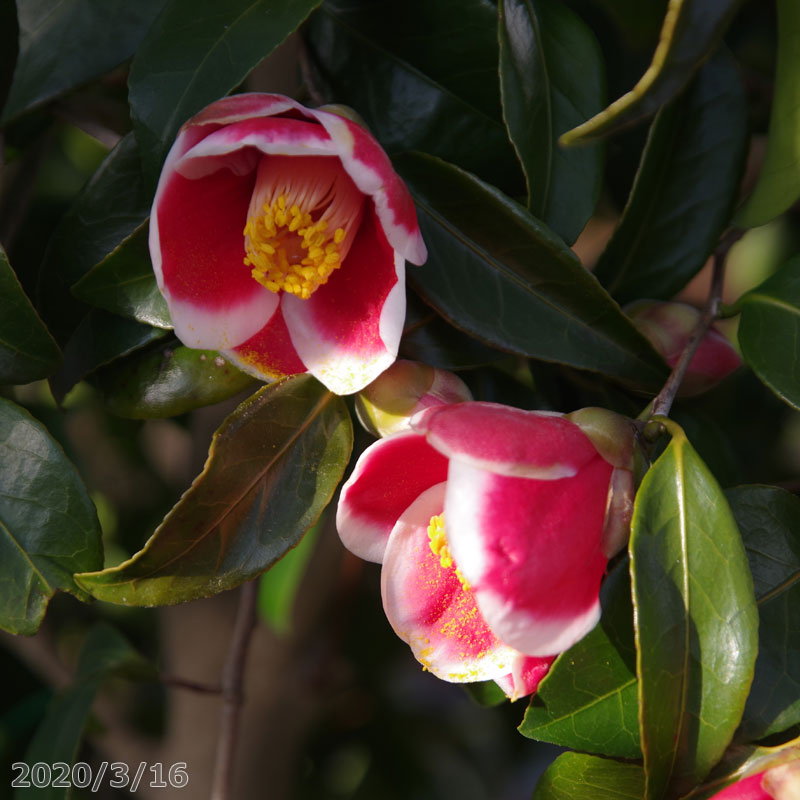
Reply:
x=544 y=254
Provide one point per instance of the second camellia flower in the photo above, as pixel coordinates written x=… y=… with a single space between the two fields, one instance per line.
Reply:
x=494 y=526
x=279 y=236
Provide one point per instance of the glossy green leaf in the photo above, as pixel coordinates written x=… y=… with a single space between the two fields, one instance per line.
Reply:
x=27 y=350
x=500 y=275
x=769 y=330
x=9 y=46
x=273 y=466
x=552 y=76
x=196 y=52
x=64 y=43
x=691 y=30
x=575 y=775
x=124 y=283
x=57 y=739
x=48 y=524
x=769 y=519
x=111 y=206
x=279 y=586
x=169 y=380
x=588 y=700
x=684 y=190
x=485 y=693
x=695 y=617
x=99 y=339
x=422 y=74
x=778 y=184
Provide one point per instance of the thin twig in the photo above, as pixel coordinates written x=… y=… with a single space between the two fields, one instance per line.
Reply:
x=663 y=402
x=173 y=681
x=232 y=677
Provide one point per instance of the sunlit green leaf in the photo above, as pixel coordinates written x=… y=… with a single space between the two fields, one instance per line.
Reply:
x=27 y=350
x=422 y=74
x=196 y=52
x=695 y=617
x=48 y=524
x=770 y=329
x=169 y=380
x=588 y=700
x=575 y=775
x=64 y=43
x=778 y=183
x=502 y=276
x=104 y=653
x=691 y=30
x=272 y=467
x=124 y=283
x=769 y=519
x=552 y=77
x=684 y=189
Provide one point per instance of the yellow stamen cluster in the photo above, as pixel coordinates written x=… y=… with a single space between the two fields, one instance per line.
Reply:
x=438 y=544
x=288 y=250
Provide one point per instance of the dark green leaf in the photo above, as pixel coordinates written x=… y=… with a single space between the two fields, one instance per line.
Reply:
x=9 y=46
x=99 y=339
x=574 y=775
x=588 y=700
x=105 y=652
x=64 y=43
x=169 y=380
x=196 y=52
x=272 y=467
x=109 y=209
x=423 y=75
x=692 y=29
x=501 y=275
x=684 y=189
x=48 y=523
x=124 y=283
x=778 y=183
x=552 y=77
x=695 y=616
x=485 y=693
x=27 y=350
x=770 y=329
x=769 y=519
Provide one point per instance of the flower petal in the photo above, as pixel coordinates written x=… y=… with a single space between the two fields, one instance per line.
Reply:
x=531 y=550
x=746 y=789
x=268 y=354
x=197 y=248
x=372 y=172
x=505 y=440
x=349 y=330
x=388 y=477
x=428 y=607
x=525 y=676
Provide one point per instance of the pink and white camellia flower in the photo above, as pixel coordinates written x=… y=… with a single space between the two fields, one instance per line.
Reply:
x=779 y=782
x=279 y=236
x=494 y=526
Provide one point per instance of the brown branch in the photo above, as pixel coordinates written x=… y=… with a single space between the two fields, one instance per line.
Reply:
x=175 y=682
x=232 y=677
x=663 y=401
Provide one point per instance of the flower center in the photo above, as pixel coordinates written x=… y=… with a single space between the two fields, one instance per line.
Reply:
x=303 y=215
x=438 y=543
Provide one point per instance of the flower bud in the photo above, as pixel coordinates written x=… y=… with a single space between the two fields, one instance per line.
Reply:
x=669 y=326
x=387 y=404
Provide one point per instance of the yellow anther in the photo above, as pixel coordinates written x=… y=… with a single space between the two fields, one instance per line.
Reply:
x=338 y=237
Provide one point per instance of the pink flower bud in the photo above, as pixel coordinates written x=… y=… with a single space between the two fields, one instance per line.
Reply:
x=780 y=781
x=407 y=387
x=669 y=326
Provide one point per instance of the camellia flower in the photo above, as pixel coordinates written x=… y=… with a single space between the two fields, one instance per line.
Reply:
x=279 y=236
x=669 y=326
x=779 y=782
x=494 y=526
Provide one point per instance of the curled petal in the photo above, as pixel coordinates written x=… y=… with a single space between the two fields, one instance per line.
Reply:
x=507 y=441
x=531 y=550
x=388 y=477
x=348 y=331
x=525 y=676
x=746 y=789
x=428 y=606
